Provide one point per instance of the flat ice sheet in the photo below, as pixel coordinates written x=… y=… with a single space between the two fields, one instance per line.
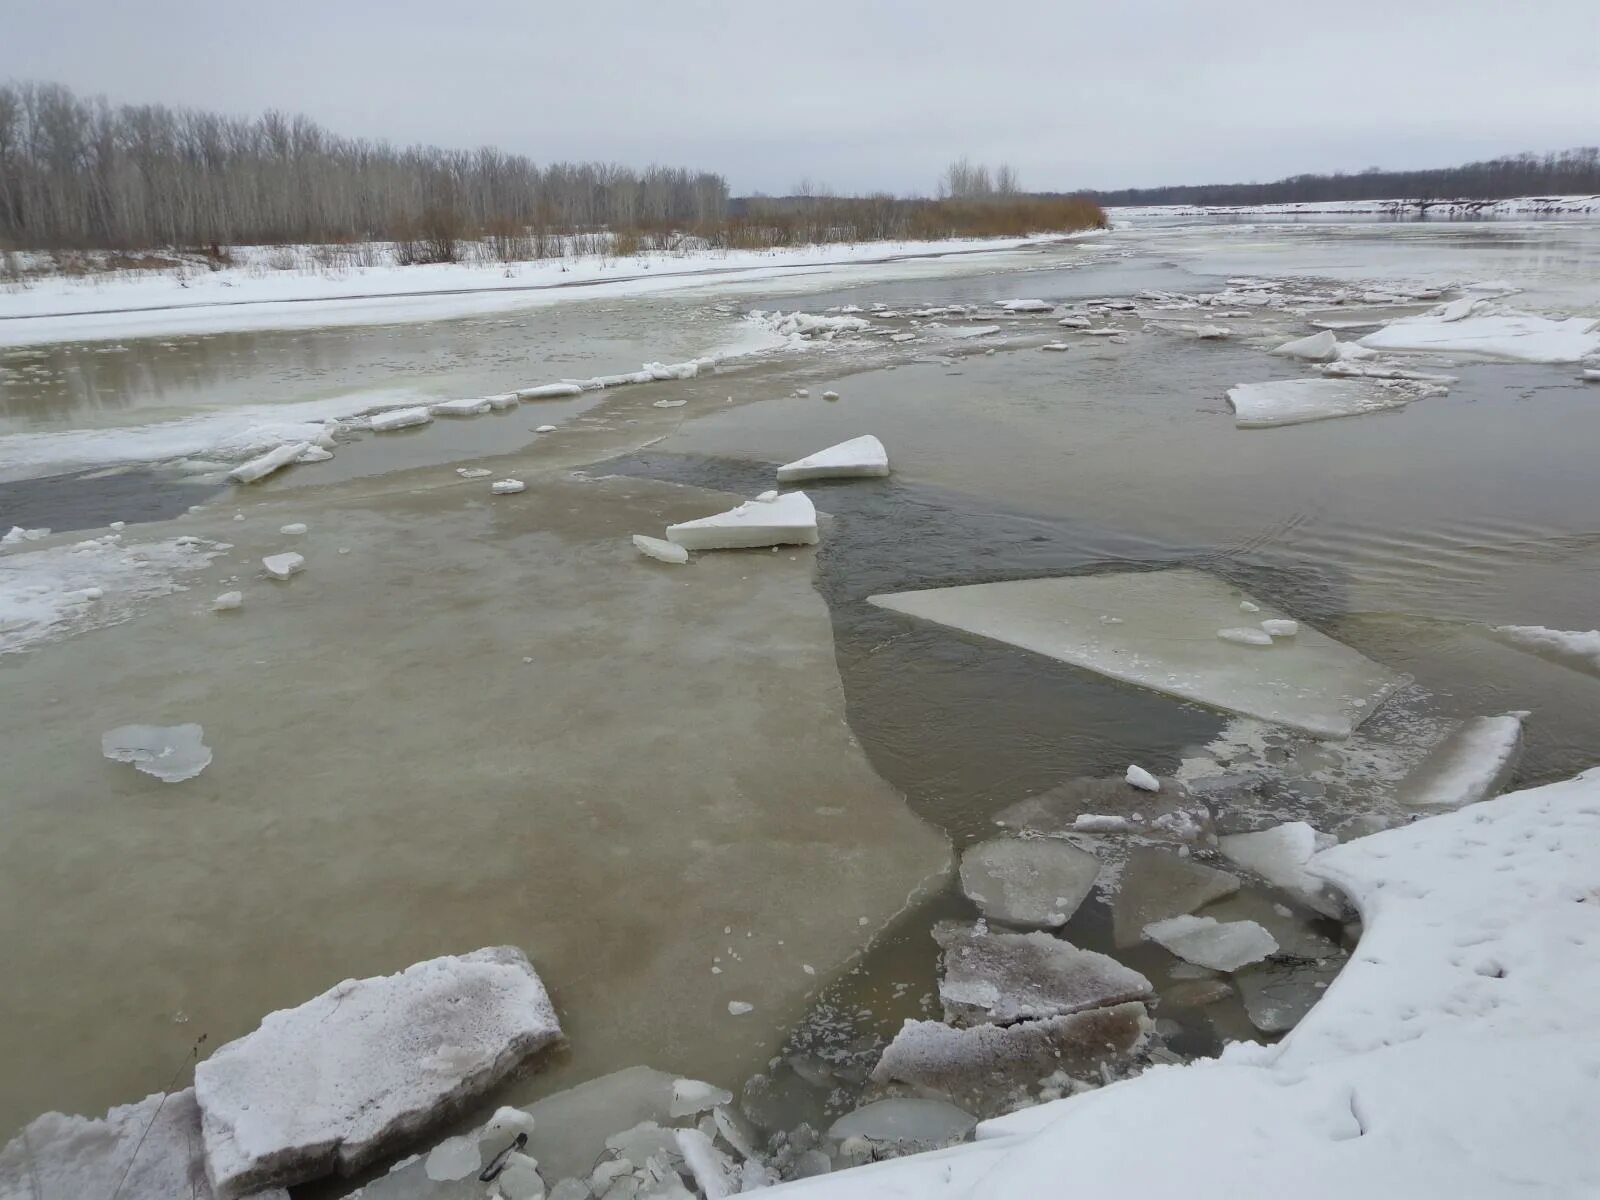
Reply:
x=1512 y=336
x=1167 y=641
x=1296 y=401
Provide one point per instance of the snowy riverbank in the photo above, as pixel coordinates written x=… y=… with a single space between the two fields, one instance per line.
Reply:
x=1520 y=206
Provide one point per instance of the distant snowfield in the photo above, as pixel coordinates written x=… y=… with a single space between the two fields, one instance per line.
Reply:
x=1521 y=206
x=253 y=297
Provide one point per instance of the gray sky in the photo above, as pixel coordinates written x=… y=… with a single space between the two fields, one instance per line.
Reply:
x=871 y=94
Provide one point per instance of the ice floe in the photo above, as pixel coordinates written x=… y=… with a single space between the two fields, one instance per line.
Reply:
x=355 y=1073
x=859 y=458
x=1217 y=946
x=1244 y=636
x=17 y=535
x=1579 y=649
x=1001 y=978
x=1317 y=347
x=228 y=602
x=1138 y=777
x=1296 y=401
x=549 y=391
x=1166 y=642
x=1470 y=765
x=1482 y=330
x=1280 y=628
x=172 y=753
x=789 y=519
x=1027 y=306
x=281 y=566
x=265 y=464
x=661 y=551
x=398 y=418
x=905 y=1124
x=1032 y=882
x=507 y=487
x=475 y=407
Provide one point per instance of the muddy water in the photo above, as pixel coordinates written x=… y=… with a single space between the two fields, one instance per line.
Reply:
x=746 y=744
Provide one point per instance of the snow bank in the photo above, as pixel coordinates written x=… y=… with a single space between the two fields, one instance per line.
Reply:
x=1482 y=330
x=1573 y=648
x=1452 y=1057
x=144 y=1151
x=786 y=520
x=1296 y=401
x=63 y=589
x=859 y=458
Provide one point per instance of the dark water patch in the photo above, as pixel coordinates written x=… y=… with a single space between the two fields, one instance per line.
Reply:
x=94 y=499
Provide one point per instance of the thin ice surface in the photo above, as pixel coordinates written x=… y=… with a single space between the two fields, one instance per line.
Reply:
x=171 y=753
x=1037 y=882
x=1004 y=977
x=342 y=1079
x=1167 y=642
x=1296 y=401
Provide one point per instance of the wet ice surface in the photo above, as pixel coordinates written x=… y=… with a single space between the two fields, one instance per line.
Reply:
x=1404 y=539
x=172 y=754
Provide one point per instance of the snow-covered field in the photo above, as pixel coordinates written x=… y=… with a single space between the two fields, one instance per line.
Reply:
x=1521 y=206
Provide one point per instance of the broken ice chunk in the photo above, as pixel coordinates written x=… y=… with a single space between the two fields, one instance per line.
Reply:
x=1249 y=606
x=1318 y=347
x=314 y=454
x=669 y=403
x=999 y=978
x=659 y=550
x=738 y=1008
x=1245 y=637
x=1075 y=322
x=293 y=529
x=549 y=391
x=1156 y=885
x=474 y=472
x=1470 y=765
x=1575 y=648
x=172 y=753
x=1281 y=629
x=265 y=464
x=830 y=395
x=546 y=429
x=906 y=1124
x=460 y=408
x=398 y=418
x=1279 y=855
x=862 y=457
x=1208 y=943
x=1055 y=346
x=507 y=487
x=690 y=1096
x=228 y=602
x=791 y=519
x=1033 y=882
x=1138 y=777
x=1277 y=995
x=1027 y=306
x=281 y=566
x=1296 y=401
x=709 y=1166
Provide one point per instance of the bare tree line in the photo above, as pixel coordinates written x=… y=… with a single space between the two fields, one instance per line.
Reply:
x=79 y=173
x=1564 y=173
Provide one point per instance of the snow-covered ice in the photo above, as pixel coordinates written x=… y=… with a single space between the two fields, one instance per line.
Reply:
x=1296 y=401
x=1316 y=347
x=786 y=520
x=507 y=487
x=999 y=978
x=1138 y=777
x=281 y=566
x=859 y=458
x=1470 y=765
x=661 y=551
x=474 y=407
x=1027 y=306
x=1166 y=642
x=354 y=1074
x=1281 y=856
x=1579 y=649
x=1032 y=882
x=171 y=753
x=1483 y=330
x=398 y=418
x=1217 y=946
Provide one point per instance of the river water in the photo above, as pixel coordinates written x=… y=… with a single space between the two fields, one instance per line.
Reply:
x=476 y=720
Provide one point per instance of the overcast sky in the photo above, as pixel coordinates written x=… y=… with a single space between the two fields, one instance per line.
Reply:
x=872 y=94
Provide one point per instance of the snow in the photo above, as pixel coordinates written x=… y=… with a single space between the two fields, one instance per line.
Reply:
x=1028 y=306
x=263 y=465
x=57 y=590
x=785 y=520
x=1166 y=642
x=1485 y=331
x=507 y=487
x=1469 y=766
x=1318 y=347
x=1000 y=978
x=398 y=418
x=859 y=458
x=1573 y=648
x=659 y=550
x=356 y=1072
x=1280 y=856
x=1138 y=777
x=170 y=753
x=281 y=566
x=1031 y=882
x=228 y=602
x=144 y=1151
x=460 y=408
x=1295 y=401
x=1451 y=1057
x=1214 y=945
x=1245 y=637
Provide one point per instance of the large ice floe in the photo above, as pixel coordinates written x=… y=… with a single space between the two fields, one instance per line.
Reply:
x=1296 y=401
x=1482 y=329
x=1450 y=1058
x=1165 y=639
x=1578 y=649
x=355 y=1073
x=789 y=519
x=859 y=458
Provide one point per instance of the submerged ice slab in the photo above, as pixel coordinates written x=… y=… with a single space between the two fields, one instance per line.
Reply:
x=859 y=458
x=1156 y=885
x=1166 y=641
x=474 y=407
x=786 y=520
x=1296 y=401
x=349 y=1076
x=171 y=753
x=659 y=550
x=922 y=1124
x=1037 y=882
x=1470 y=765
x=1215 y=945
x=999 y=978
x=144 y=1151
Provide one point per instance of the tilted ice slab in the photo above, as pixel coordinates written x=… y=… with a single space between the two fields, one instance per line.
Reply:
x=1316 y=347
x=349 y=1076
x=1282 y=856
x=1004 y=977
x=1578 y=649
x=1471 y=968
x=859 y=458
x=1167 y=641
x=1482 y=332
x=1216 y=945
x=144 y=1151
x=398 y=418
x=1296 y=401
x=786 y=520
x=1470 y=765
